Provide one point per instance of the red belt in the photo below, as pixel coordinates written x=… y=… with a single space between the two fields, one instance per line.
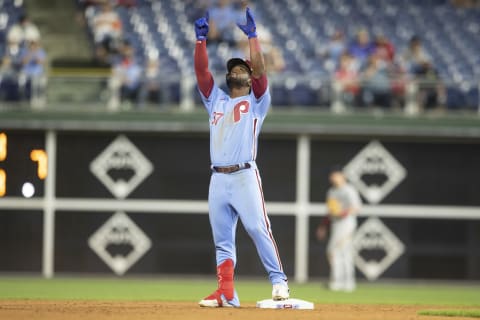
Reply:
x=231 y=169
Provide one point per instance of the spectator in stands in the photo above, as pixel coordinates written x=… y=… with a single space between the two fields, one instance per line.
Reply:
x=383 y=48
x=10 y=66
x=151 y=89
x=376 y=88
x=417 y=62
x=33 y=72
x=333 y=50
x=82 y=6
x=222 y=23
x=415 y=58
x=361 y=48
x=347 y=80
x=24 y=29
x=126 y=77
x=107 y=30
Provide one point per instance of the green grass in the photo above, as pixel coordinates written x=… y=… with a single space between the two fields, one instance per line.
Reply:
x=250 y=291
x=451 y=313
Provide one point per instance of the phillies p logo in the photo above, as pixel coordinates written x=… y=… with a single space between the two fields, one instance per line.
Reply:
x=239 y=108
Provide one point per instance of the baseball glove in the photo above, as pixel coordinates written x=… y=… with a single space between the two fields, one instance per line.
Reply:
x=334 y=207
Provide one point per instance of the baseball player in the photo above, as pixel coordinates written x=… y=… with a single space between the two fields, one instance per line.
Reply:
x=343 y=202
x=235 y=189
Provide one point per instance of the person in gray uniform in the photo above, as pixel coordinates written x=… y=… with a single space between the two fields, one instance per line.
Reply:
x=343 y=203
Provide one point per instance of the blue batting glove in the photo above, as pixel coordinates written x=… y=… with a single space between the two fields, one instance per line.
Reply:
x=201 y=27
x=250 y=29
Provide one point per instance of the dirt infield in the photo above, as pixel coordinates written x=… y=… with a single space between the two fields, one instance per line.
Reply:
x=105 y=310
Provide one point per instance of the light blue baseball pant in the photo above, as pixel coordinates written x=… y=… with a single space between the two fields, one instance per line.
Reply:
x=239 y=195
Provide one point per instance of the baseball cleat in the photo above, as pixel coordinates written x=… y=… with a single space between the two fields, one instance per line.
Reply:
x=280 y=292
x=215 y=300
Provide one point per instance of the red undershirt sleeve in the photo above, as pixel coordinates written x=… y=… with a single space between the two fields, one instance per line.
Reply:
x=204 y=77
x=259 y=85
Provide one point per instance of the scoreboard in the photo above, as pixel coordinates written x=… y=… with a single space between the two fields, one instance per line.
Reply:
x=23 y=164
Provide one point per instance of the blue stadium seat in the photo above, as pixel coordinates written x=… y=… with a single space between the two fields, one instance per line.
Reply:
x=302 y=94
x=279 y=95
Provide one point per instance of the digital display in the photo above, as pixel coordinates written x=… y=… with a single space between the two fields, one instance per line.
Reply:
x=23 y=164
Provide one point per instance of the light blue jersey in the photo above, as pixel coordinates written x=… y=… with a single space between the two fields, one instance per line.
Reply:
x=234 y=125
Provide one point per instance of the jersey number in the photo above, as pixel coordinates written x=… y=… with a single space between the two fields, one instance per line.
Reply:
x=241 y=107
x=216 y=117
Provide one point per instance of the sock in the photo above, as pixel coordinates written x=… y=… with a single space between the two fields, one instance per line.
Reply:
x=225 y=279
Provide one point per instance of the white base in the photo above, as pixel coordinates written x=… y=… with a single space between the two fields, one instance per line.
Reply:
x=285 y=304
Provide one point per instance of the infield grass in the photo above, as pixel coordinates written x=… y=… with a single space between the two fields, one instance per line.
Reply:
x=179 y=289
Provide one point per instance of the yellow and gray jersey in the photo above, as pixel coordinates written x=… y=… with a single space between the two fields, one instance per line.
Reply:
x=347 y=196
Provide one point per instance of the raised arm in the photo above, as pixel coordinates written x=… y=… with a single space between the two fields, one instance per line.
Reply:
x=259 y=75
x=204 y=77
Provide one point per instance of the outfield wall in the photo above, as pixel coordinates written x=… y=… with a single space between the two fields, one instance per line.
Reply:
x=134 y=202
